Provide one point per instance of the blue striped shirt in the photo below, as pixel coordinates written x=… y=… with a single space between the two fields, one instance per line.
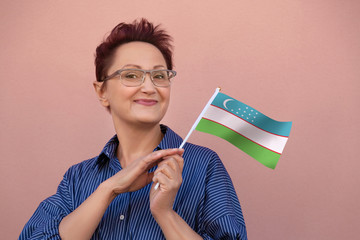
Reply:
x=206 y=199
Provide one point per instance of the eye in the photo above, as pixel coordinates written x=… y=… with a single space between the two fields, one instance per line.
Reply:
x=160 y=75
x=131 y=75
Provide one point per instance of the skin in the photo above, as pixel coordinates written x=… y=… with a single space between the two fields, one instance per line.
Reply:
x=136 y=113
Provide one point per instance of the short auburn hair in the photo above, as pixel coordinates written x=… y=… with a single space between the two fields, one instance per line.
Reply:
x=142 y=31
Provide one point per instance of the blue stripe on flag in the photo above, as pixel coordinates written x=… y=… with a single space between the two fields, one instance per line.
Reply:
x=251 y=115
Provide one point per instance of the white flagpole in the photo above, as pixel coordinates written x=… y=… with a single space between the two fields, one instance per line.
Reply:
x=196 y=123
x=199 y=117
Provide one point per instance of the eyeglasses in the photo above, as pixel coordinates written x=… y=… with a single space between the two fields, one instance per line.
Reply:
x=136 y=77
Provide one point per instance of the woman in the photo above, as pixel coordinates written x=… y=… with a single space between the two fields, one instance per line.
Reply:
x=110 y=196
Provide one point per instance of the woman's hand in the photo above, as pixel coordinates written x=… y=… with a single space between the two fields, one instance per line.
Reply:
x=169 y=175
x=136 y=176
x=82 y=222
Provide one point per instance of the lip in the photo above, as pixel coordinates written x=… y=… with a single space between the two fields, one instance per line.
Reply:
x=146 y=102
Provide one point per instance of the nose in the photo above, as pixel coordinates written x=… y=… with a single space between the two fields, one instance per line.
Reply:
x=148 y=86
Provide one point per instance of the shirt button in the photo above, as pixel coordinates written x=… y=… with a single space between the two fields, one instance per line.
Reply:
x=122 y=217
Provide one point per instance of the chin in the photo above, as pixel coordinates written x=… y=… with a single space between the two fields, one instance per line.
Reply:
x=149 y=117
x=149 y=120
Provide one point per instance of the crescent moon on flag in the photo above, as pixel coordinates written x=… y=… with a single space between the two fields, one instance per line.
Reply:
x=226 y=101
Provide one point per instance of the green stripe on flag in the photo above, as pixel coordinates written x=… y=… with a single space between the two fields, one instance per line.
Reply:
x=261 y=154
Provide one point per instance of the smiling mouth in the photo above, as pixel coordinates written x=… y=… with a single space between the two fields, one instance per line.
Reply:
x=146 y=102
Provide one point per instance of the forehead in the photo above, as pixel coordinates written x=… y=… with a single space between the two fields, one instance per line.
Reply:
x=142 y=54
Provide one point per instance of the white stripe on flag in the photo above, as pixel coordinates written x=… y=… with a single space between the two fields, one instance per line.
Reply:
x=273 y=142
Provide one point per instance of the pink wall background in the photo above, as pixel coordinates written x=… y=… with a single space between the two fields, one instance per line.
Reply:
x=292 y=60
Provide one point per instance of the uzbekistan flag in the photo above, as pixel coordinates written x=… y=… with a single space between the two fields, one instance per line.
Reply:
x=246 y=128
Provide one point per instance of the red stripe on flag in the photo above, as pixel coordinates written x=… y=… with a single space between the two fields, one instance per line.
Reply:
x=250 y=122
x=241 y=135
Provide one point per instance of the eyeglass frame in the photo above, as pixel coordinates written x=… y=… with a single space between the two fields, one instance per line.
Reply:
x=118 y=72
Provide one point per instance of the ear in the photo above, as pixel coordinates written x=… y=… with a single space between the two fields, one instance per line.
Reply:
x=98 y=87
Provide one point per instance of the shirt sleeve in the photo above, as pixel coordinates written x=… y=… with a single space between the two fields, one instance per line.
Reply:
x=44 y=223
x=221 y=215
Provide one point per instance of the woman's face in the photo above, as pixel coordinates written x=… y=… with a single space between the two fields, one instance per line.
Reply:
x=145 y=104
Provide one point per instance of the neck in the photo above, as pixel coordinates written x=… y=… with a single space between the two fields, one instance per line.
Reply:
x=136 y=141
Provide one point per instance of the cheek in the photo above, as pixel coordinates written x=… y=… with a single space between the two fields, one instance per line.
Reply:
x=166 y=97
x=118 y=93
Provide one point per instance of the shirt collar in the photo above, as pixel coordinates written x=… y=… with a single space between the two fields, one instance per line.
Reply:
x=108 y=152
x=170 y=140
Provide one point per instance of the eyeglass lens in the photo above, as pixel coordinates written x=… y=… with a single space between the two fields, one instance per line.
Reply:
x=133 y=77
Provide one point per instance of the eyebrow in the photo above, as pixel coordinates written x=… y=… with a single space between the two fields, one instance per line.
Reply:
x=137 y=66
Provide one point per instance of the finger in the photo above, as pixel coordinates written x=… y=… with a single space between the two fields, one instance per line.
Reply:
x=150 y=160
x=171 y=162
x=175 y=161
x=167 y=170
x=181 y=152
x=180 y=161
x=173 y=172
x=155 y=156
x=142 y=165
x=162 y=179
